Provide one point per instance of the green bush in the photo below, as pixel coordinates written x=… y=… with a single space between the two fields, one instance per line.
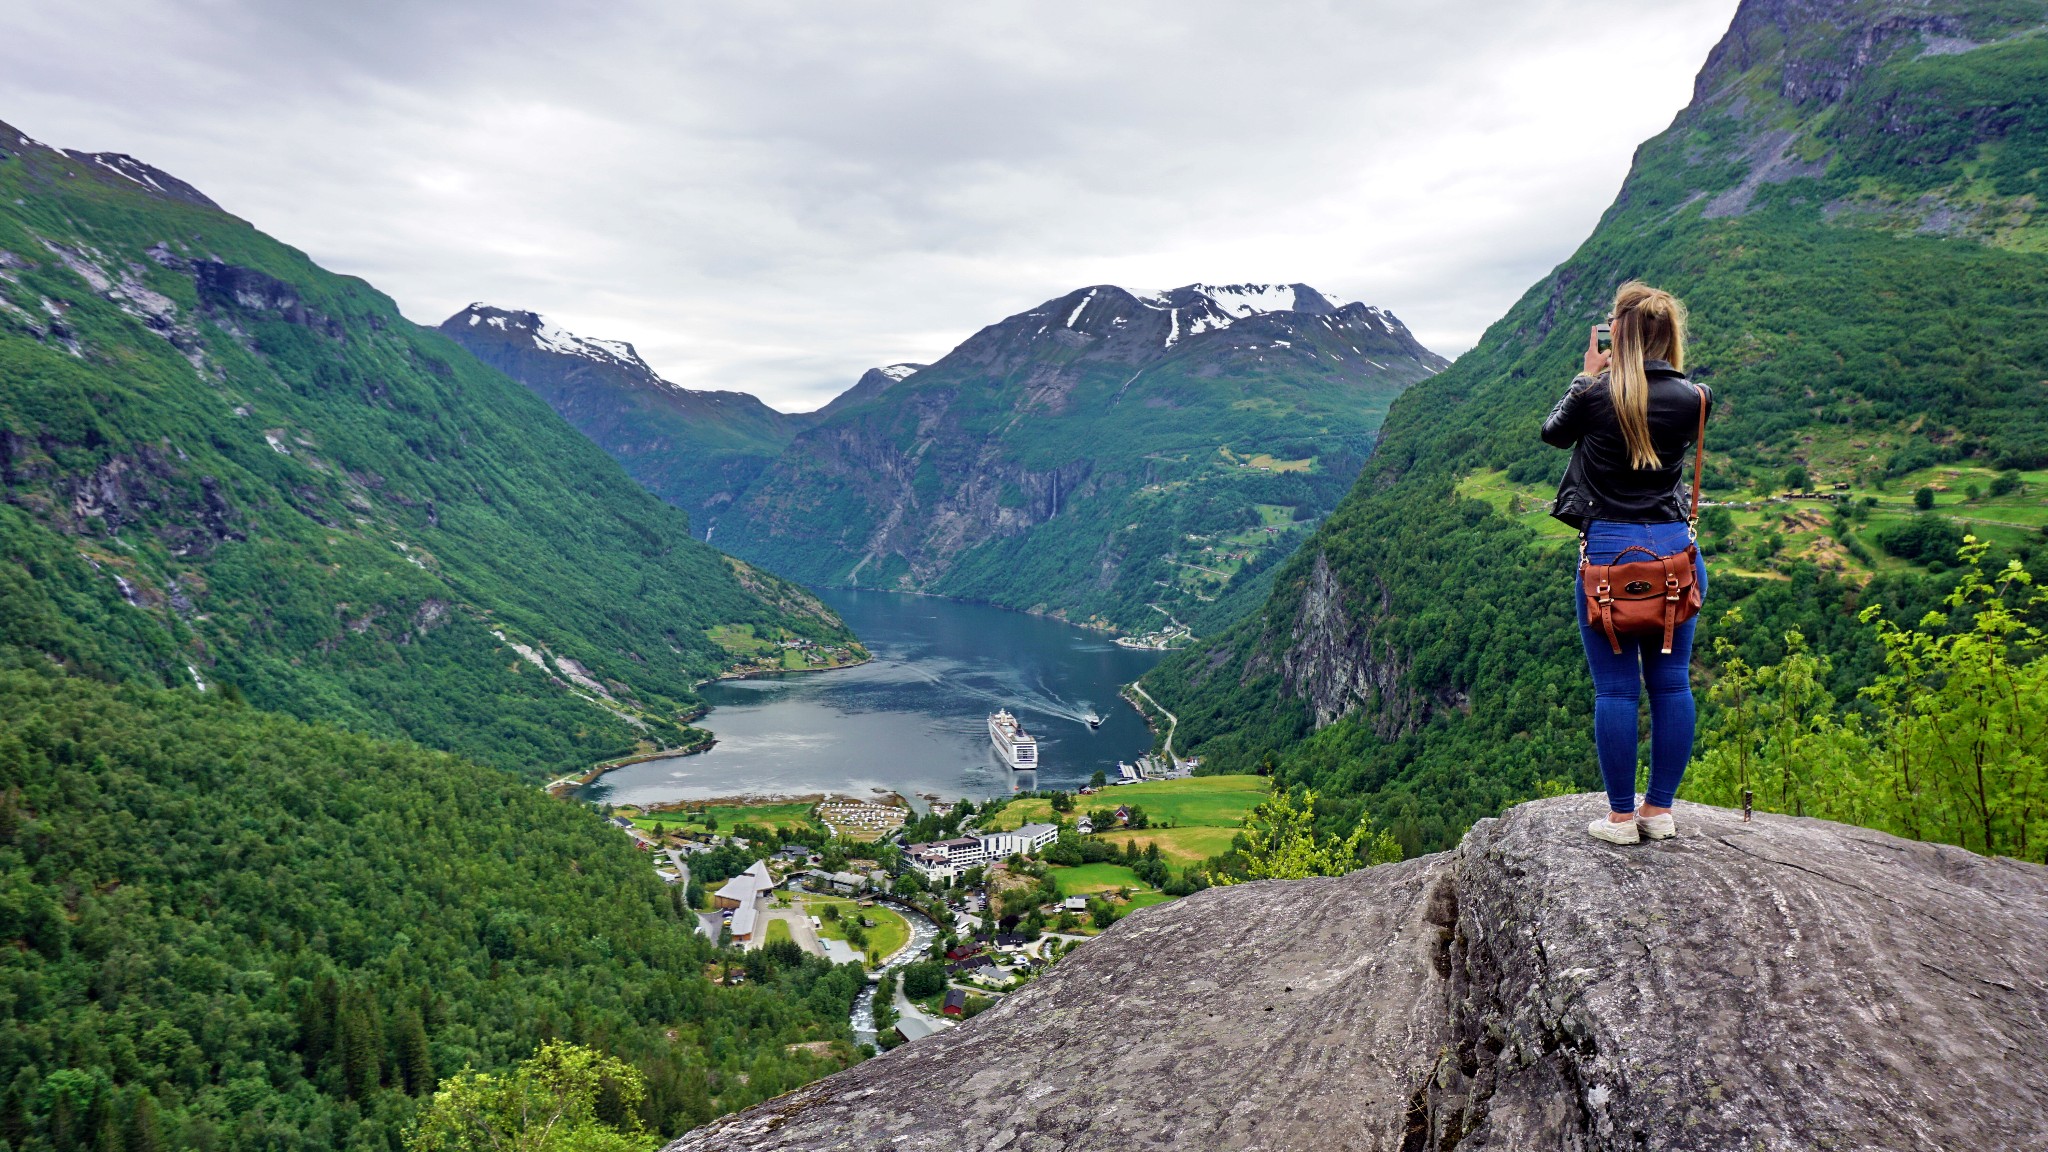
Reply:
x=924 y=978
x=1923 y=539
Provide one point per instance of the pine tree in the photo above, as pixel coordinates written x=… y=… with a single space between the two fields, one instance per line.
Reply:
x=317 y=1014
x=409 y=1044
x=145 y=1131
x=361 y=1043
x=107 y=1137
x=14 y=1118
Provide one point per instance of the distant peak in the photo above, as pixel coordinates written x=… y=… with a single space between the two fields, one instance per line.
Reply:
x=548 y=336
x=899 y=371
x=1241 y=300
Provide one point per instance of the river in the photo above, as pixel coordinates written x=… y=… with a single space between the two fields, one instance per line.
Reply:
x=914 y=720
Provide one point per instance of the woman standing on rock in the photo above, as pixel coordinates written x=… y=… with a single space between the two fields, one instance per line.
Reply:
x=1630 y=419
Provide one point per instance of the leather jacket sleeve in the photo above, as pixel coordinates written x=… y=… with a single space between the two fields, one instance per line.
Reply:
x=1565 y=424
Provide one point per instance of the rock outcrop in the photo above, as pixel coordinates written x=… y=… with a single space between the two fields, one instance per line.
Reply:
x=1784 y=984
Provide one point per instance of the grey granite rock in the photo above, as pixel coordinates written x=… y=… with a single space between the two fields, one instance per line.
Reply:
x=1786 y=984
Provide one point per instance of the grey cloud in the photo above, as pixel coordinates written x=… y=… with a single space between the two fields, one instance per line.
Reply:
x=775 y=196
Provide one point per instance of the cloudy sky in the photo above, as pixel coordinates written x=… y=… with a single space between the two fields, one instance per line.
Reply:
x=774 y=196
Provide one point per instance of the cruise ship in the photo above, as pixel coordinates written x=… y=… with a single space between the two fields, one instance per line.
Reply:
x=1018 y=748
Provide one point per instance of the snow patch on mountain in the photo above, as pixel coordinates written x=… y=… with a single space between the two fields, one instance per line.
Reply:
x=1242 y=300
x=552 y=337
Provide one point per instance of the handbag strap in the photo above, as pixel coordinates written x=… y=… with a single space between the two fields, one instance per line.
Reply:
x=1699 y=460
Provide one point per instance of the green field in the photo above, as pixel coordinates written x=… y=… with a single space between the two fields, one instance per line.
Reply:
x=1804 y=527
x=1214 y=802
x=1094 y=879
x=780 y=815
x=778 y=930
x=890 y=933
x=1180 y=847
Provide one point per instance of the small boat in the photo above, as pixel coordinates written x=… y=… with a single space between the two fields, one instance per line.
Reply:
x=1094 y=721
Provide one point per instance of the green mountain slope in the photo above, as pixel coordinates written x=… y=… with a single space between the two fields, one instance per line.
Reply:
x=223 y=465
x=230 y=930
x=695 y=449
x=1850 y=205
x=1123 y=460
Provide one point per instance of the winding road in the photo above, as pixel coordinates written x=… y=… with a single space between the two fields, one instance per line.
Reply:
x=1172 y=721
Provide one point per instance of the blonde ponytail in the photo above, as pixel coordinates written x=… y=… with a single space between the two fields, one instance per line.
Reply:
x=1649 y=324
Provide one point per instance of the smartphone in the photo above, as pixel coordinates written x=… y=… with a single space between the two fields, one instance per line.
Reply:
x=1603 y=335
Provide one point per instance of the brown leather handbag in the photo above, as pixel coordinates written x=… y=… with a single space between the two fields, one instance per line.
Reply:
x=1646 y=597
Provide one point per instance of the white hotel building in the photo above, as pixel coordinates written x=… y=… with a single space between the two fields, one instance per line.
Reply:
x=947 y=859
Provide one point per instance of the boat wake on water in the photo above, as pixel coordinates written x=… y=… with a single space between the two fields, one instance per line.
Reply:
x=1043 y=700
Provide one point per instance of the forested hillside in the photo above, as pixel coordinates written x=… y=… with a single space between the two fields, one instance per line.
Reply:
x=224 y=466
x=1120 y=459
x=1850 y=206
x=231 y=930
x=696 y=449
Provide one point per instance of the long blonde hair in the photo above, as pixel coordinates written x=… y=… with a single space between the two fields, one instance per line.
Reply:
x=1649 y=324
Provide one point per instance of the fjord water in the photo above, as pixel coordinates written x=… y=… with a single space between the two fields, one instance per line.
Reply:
x=914 y=720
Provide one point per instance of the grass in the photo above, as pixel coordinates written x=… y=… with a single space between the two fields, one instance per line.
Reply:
x=1267 y=462
x=1525 y=503
x=778 y=930
x=890 y=933
x=1181 y=847
x=1217 y=802
x=1094 y=879
x=780 y=815
x=1805 y=526
x=739 y=639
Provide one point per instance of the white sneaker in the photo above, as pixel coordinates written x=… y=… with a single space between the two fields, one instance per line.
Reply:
x=1661 y=827
x=1615 y=831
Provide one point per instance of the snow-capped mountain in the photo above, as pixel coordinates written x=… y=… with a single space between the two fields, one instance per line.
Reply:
x=871 y=384
x=1122 y=324
x=548 y=336
x=1062 y=459
x=695 y=448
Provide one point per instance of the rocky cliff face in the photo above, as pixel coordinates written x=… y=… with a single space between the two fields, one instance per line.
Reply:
x=1786 y=984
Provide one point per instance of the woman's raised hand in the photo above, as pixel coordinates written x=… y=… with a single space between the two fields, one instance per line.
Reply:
x=1597 y=358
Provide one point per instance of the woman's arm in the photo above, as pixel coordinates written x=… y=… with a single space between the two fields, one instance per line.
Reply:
x=1562 y=428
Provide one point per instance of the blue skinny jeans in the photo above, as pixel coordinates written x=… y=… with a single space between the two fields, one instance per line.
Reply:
x=1619 y=681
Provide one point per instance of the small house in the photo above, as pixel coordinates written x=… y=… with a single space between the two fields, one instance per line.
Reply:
x=956 y=1002
x=913 y=1028
x=1074 y=904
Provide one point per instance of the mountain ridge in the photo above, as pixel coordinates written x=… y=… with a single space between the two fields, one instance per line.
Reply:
x=919 y=469
x=225 y=468
x=1125 y=422
x=688 y=446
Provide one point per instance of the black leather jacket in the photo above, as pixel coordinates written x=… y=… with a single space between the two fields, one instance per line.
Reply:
x=1600 y=483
